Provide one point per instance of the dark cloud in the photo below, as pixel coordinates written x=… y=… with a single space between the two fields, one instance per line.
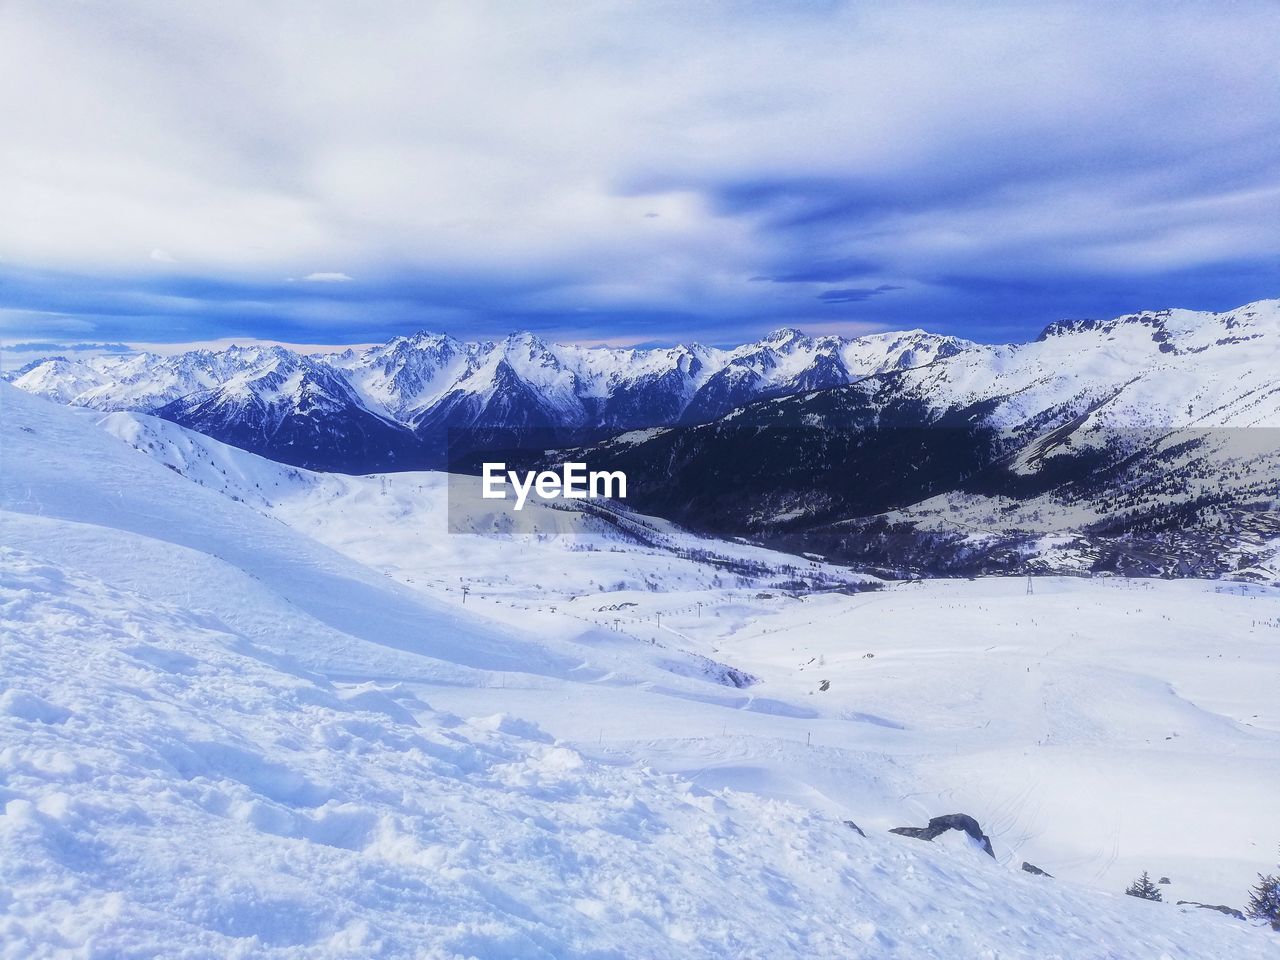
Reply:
x=828 y=271
x=855 y=294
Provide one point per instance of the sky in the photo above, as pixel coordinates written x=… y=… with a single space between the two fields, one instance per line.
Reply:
x=641 y=172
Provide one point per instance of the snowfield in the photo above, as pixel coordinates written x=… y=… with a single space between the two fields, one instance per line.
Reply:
x=170 y=790
x=244 y=712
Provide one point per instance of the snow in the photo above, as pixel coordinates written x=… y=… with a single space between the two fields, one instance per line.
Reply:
x=244 y=712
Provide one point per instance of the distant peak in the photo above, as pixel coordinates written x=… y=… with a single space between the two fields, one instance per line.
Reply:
x=421 y=339
x=784 y=335
x=58 y=363
x=1062 y=328
x=526 y=337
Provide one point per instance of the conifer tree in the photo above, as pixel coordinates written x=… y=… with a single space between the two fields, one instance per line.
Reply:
x=1144 y=888
x=1264 y=900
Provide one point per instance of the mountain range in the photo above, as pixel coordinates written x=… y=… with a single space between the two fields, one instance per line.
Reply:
x=1147 y=444
x=391 y=406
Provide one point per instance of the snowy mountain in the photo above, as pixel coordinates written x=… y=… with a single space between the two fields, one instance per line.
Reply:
x=295 y=407
x=391 y=406
x=1149 y=443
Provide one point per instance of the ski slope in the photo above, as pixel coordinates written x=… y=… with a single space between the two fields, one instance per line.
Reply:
x=243 y=712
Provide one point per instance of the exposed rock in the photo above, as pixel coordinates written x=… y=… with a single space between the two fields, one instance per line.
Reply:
x=951 y=821
x=1032 y=868
x=853 y=826
x=1229 y=911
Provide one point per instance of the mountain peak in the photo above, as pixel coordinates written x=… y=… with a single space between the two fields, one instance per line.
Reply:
x=420 y=337
x=525 y=338
x=784 y=336
x=1062 y=328
x=1175 y=321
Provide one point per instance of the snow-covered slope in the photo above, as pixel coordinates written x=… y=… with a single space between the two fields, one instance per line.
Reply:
x=1157 y=368
x=251 y=570
x=222 y=734
x=170 y=792
x=399 y=523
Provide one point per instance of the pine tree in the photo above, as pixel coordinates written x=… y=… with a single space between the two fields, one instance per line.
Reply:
x=1144 y=888
x=1264 y=900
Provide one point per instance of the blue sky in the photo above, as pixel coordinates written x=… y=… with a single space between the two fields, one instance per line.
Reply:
x=630 y=172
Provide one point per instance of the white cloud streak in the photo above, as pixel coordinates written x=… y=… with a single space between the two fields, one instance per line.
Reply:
x=327 y=277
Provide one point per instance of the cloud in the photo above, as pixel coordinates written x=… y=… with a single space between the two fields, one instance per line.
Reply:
x=855 y=294
x=828 y=271
x=322 y=277
x=635 y=164
x=46 y=347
